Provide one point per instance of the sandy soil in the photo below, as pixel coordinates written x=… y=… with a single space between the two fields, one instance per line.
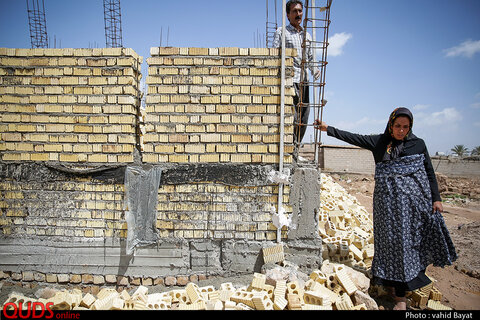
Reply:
x=459 y=283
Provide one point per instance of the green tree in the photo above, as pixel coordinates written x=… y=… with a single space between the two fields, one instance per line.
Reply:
x=460 y=150
x=475 y=151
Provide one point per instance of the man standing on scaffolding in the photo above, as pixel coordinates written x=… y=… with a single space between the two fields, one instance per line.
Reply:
x=293 y=39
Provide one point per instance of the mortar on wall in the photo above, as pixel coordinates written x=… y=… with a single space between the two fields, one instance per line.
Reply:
x=71 y=124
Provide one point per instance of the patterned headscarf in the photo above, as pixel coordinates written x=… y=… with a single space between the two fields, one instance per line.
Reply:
x=395 y=147
x=395 y=114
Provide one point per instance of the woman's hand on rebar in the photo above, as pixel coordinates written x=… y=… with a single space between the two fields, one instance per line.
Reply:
x=320 y=125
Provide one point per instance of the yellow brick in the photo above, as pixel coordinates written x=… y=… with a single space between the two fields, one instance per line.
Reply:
x=241 y=138
x=226 y=128
x=109 y=148
x=83 y=90
x=210 y=99
x=23 y=128
x=228 y=51
x=271 y=100
x=67 y=99
x=177 y=158
x=167 y=70
x=83 y=129
x=11 y=156
x=68 y=81
x=241 y=158
x=97 y=158
x=10 y=117
x=38 y=99
x=242 y=81
x=65 y=157
x=82 y=71
x=183 y=61
x=195 y=148
x=257 y=109
x=198 y=51
x=221 y=148
x=24 y=90
x=209 y=158
x=226 y=109
x=53 y=71
x=259 y=51
x=194 y=128
x=257 y=149
x=39 y=156
x=210 y=119
x=67 y=61
x=260 y=90
x=53 y=148
x=82 y=148
x=95 y=81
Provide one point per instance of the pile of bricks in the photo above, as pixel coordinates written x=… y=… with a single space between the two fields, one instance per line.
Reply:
x=69 y=105
x=216 y=105
x=258 y=295
x=428 y=297
x=345 y=227
x=322 y=291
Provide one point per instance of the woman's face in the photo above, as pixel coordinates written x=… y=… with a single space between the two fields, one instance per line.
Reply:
x=400 y=127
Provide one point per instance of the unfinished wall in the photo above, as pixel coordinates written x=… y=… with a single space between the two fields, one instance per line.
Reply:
x=214 y=112
x=69 y=105
x=71 y=126
x=216 y=105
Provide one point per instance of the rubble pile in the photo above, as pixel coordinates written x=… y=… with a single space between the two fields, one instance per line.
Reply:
x=345 y=227
x=458 y=189
x=322 y=291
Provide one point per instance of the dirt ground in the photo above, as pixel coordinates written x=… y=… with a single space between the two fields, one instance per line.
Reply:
x=460 y=282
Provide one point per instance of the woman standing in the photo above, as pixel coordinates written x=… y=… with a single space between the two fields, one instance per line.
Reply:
x=409 y=230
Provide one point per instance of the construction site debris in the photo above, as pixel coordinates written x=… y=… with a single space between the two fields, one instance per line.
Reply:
x=345 y=227
x=342 y=282
x=317 y=293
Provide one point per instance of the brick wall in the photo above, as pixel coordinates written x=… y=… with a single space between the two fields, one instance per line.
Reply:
x=348 y=159
x=69 y=105
x=219 y=105
x=70 y=124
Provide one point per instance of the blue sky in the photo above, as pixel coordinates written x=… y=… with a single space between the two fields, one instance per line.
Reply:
x=423 y=55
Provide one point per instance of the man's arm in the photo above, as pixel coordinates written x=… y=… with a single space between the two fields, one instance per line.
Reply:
x=277 y=39
x=311 y=62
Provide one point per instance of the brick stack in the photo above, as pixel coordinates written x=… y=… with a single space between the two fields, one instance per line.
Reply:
x=216 y=105
x=69 y=105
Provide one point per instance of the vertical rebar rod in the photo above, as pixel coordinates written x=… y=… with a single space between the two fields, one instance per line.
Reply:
x=270 y=26
x=319 y=103
x=113 y=23
x=282 y=121
x=37 y=24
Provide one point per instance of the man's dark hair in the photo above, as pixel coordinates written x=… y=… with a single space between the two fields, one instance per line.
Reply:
x=293 y=2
